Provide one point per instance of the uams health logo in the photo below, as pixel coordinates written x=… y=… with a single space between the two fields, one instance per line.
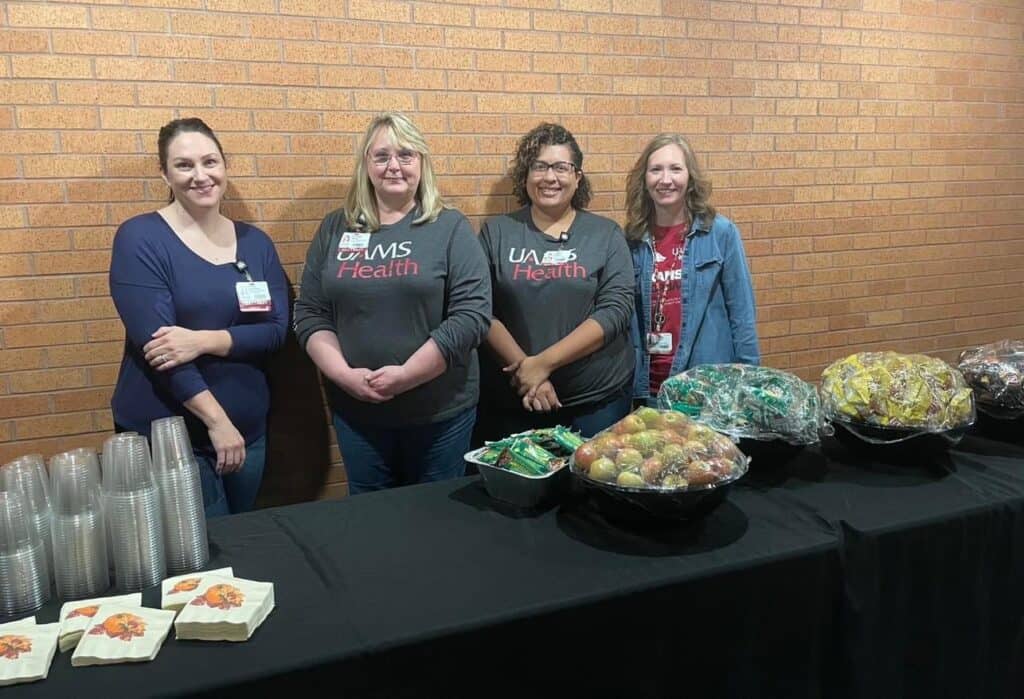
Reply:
x=378 y=262
x=529 y=265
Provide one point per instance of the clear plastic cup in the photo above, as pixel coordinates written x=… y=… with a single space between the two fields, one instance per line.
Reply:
x=181 y=496
x=108 y=445
x=24 y=577
x=74 y=485
x=27 y=476
x=137 y=539
x=129 y=467
x=78 y=528
x=171 y=444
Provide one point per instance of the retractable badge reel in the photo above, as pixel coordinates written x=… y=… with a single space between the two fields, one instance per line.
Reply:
x=253 y=297
x=560 y=256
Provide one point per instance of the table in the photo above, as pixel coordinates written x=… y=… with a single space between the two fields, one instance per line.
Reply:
x=932 y=551
x=825 y=573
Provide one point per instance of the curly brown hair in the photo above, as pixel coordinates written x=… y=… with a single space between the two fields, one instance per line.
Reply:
x=547 y=134
x=640 y=208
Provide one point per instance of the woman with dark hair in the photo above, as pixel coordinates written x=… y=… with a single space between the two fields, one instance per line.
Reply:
x=204 y=302
x=393 y=304
x=694 y=298
x=563 y=295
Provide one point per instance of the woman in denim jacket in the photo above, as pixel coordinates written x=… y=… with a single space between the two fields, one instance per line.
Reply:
x=693 y=299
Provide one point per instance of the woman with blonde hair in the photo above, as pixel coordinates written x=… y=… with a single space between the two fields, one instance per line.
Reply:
x=694 y=298
x=394 y=300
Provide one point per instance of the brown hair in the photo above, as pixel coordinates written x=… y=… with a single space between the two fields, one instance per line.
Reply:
x=547 y=134
x=640 y=208
x=172 y=129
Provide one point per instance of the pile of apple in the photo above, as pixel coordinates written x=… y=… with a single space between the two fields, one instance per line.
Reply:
x=659 y=449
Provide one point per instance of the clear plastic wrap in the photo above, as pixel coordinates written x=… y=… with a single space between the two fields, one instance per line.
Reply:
x=653 y=449
x=996 y=374
x=747 y=402
x=886 y=397
x=657 y=467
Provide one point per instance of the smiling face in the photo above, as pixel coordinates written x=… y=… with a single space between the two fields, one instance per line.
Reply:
x=195 y=170
x=394 y=171
x=550 y=191
x=667 y=177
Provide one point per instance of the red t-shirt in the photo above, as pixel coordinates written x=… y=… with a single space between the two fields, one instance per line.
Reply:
x=666 y=295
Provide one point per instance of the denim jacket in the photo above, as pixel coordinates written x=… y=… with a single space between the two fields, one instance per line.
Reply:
x=718 y=302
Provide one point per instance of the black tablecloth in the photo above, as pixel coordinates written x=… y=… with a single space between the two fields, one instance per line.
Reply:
x=932 y=548
x=825 y=573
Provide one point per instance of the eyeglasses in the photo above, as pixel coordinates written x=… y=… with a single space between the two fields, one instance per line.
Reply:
x=404 y=157
x=562 y=167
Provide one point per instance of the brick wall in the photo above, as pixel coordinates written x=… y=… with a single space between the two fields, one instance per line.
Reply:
x=871 y=151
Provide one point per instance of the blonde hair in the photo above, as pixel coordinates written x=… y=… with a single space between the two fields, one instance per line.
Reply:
x=361 y=202
x=640 y=207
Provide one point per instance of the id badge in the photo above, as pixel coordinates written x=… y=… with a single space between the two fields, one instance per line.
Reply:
x=556 y=257
x=659 y=343
x=352 y=241
x=253 y=297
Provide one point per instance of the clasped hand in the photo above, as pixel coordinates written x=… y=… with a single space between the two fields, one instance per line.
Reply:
x=530 y=379
x=378 y=385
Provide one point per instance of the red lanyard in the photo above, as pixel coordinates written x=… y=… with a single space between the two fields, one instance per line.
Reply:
x=661 y=288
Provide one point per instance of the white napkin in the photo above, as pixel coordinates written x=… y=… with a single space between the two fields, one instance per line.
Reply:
x=26 y=650
x=76 y=615
x=175 y=592
x=122 y=634
x=225 y=609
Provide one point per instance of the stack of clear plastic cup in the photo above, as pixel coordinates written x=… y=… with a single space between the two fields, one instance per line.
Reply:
x=132 y=503
x=108 y=445
x=181 y=496
x=79 y=530
x=24 y=582
x=27 y=475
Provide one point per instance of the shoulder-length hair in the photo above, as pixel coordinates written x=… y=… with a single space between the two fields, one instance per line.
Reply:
x=640 y=207
x=547 y=134
x=361 y=202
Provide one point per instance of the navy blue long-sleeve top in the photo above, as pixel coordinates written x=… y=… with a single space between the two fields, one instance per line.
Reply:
x=156 y=280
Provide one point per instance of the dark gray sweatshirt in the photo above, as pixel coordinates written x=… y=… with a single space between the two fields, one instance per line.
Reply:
x=413 y=282
x=544 y=288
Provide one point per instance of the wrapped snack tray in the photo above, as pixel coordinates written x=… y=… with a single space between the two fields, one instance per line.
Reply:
x=747 y=402
x=886 y=397
x=996 y=374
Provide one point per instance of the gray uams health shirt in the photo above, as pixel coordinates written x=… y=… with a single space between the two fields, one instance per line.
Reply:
x=544 y=288
x=413 y=282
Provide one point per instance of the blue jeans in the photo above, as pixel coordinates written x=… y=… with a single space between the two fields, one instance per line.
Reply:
x=235 y=492
x=379 y=457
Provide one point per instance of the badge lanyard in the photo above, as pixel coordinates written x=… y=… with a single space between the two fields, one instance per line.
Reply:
x=658 y=341
x=253 y=297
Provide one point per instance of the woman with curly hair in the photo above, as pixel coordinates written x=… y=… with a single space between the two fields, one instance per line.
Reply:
x=694 y=299
x=562 y=283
